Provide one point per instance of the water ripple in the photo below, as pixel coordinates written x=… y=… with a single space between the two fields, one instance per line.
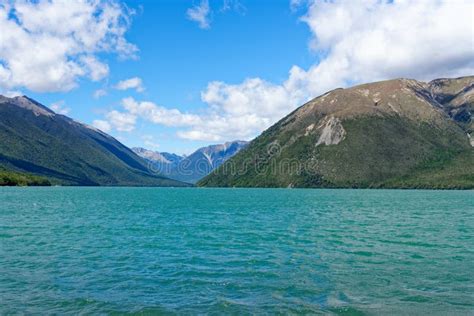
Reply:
x=152 y=251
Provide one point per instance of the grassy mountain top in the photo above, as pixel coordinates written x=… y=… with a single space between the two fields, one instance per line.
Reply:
x=393 y=133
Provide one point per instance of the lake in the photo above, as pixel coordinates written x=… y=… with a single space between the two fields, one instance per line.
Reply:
x=69 y=250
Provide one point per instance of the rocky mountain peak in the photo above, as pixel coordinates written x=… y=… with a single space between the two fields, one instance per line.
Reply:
x=27 y=103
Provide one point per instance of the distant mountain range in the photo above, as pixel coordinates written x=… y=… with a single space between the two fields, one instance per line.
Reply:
x=393 y=134
x=193 y=167
x=37 y=141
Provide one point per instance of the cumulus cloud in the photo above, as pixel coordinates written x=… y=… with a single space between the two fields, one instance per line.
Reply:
x=122 y=122
x=216 y=124
x=60 y=108
x=125 y=120
x=158 y=114
x=376 y=40
x=198 y=135
x=200 y=14
x=12 y=93
x=132 y=83
x=46 y=46
x=149 y=142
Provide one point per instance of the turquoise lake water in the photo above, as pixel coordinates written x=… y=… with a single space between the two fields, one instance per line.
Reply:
x=236 y=251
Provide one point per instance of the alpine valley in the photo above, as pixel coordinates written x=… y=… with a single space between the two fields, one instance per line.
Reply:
x=193 y=167
x=35 y=141
x=399 y=133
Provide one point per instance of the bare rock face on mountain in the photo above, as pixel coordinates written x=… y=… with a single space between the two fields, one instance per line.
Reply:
x=396 y=133
x=35 y=140
x=193 y=167
x=154 y=156
x=456 y=96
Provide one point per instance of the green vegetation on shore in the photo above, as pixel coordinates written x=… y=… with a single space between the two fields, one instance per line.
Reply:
x=11 y=178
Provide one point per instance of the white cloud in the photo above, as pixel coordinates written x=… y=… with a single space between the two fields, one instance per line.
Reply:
x=376 y=40
x=46 y=46
x=198 y=135
x=200 y=14
x=149 y=111
x=59 y=108
x=96 y=69
x=158 y=114
x=132 y=83
x=99 y=93
x=218 y=123
x=122 y=122
x=149 y=142
x=102 y=125
x=12 y=93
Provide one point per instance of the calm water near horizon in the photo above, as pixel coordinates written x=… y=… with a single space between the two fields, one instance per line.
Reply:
x=69 y=250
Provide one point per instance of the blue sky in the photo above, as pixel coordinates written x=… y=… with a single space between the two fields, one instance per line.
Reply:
x=177 y=59
x=212 y=71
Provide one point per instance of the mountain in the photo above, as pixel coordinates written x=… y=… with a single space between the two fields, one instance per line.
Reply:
x=159 y=162
x=397 y=134
x=154 y=156
x=34 y=139
x=456 y=96
x=193 y=167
